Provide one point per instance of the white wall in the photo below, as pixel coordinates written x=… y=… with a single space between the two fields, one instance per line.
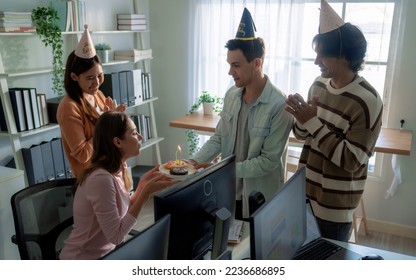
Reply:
x=169 y=41
x=400 y=208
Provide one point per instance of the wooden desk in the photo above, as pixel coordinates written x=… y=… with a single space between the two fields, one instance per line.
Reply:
x=197 y=121
x=390 y=141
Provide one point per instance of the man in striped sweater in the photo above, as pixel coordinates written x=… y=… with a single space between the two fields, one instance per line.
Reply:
x=340 y=124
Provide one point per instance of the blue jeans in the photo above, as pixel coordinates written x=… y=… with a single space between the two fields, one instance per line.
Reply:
x=332 y=230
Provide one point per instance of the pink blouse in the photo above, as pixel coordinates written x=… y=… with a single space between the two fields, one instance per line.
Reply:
x=101 y=220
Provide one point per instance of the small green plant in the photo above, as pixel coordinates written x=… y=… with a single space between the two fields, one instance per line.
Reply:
x=102 y=46
x=205 y=97
x=46 y=21
x=193 y=138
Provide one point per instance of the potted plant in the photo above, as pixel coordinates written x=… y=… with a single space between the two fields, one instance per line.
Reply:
x=210 y=104
x=46 y=21
x=103 y=51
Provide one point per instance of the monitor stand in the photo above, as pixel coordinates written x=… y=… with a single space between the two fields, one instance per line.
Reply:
x=221 y=230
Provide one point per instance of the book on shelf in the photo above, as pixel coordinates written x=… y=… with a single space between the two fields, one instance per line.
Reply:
x=132 y=27
x=3 y=124
x=122 y=77
x=20 y=15
x=143 y=54
x=18 y=29
x=62 y=9
x=52 y=107
x=42 y=108
x=142 y=120
x=131 y=16
x=148 y=127
x=58 y=158
x=35 y=107
x=131 y=21
x=134 y=87
x=28 y=109
x=16 y=100
x=33 y=160
x=143 y=124
x=47 y=160
x=71 y=13
x=146 y=86
x=33 y=114
x=15 y=23
x=111 y=86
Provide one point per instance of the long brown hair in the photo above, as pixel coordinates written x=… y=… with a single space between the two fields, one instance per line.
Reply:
x=106 y=155
x=77 y=65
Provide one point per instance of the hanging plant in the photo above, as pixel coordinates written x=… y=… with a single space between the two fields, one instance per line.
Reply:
x=193 y=141
x=193 y=138
x=46 y=21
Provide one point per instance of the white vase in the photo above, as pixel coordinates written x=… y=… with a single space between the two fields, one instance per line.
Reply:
x=208 y=107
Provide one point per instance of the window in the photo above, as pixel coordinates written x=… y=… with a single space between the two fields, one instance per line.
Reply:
x=288 y=28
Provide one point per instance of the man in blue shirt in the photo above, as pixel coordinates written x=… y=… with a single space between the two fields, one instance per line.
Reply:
x=254 y=124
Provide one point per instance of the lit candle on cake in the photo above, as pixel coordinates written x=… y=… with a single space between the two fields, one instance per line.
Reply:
x=178 y=150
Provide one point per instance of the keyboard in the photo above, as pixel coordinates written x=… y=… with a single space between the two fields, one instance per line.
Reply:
x=319 y=249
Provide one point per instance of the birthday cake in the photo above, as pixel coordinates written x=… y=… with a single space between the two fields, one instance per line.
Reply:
x=177 y=168
x=175 y=164
x=178 y=171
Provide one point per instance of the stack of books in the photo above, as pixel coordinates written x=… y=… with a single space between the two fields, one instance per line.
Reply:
x=131 y=22
x=16 y=22
x=133 y=55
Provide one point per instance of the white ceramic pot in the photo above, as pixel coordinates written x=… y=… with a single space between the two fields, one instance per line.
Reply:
x=103 y=54
x=208 y=108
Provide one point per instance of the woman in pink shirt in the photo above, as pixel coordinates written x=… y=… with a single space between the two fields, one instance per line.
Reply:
x=104 y=211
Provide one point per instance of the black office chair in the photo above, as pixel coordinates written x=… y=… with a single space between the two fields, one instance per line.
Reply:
x=42 y=216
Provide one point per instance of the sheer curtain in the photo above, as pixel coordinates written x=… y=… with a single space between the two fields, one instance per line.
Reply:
x=214 y=22
x=288 y=27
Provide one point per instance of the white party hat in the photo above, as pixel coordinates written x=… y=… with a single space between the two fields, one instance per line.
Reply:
x=85 y=48
x=328 y=20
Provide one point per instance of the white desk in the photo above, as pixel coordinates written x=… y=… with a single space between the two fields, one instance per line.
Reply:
x=11 y=181
x=241 y=250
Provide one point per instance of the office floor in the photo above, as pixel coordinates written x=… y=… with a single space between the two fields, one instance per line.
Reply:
x=389 y=242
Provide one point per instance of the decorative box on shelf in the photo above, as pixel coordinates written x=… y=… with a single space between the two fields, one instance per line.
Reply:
x=133 y=55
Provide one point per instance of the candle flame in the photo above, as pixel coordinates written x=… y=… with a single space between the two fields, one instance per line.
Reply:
x=178 y=149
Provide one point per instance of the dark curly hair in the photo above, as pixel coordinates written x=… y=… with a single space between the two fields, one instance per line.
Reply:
x=251 y=48
x=346 y=41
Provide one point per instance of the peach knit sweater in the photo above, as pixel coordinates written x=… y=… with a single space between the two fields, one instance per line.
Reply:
x=77 y=127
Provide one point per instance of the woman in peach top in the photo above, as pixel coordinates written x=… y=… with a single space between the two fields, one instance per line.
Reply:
x=83 y=103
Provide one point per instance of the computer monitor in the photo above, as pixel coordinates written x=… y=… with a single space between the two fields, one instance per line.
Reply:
x=150 y=244
x=201 y=208
x=278 y=227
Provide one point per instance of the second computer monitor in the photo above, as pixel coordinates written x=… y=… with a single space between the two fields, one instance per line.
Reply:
x=150 y=244
x=278 y=227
